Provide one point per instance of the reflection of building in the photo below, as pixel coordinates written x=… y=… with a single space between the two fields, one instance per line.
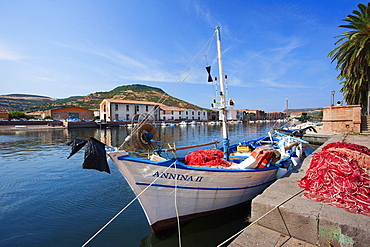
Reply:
x=69 y=112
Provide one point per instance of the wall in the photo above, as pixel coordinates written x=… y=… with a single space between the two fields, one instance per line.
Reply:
x=68 y=112
x=342 y=119
x=4 y=115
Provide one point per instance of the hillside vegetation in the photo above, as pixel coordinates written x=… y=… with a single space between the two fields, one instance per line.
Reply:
x=32 y=103
x=22 y=102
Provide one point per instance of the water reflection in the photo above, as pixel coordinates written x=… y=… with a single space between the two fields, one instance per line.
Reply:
x=47 y=200
x=25 y=143
x=206 y=231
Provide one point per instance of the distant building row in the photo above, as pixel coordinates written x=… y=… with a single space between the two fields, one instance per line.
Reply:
x=124 y=110
x=114 y=109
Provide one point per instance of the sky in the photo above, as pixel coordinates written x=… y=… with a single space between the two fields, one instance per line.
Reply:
x=272 y=50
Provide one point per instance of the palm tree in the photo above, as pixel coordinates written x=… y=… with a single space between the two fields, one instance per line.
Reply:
x=353 y=57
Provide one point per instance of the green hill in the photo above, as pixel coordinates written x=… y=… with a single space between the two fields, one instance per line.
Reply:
x=32 y=103
x=21 y=102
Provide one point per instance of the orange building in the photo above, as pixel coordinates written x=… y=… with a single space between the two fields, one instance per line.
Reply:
x=4 y=114
x=70 y=112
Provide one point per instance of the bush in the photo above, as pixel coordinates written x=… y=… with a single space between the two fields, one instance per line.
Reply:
x=17 y=114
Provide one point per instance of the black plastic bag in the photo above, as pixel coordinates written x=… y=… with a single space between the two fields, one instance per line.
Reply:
x=95 y=156
x=76 y=144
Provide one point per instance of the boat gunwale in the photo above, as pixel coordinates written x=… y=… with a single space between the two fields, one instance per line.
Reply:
x=180 y=165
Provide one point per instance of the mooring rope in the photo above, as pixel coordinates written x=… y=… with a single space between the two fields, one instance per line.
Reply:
x=110 y=221
x=177 y=211
x=241 y=231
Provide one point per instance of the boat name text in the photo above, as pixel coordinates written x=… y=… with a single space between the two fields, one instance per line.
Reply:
x=169 y=175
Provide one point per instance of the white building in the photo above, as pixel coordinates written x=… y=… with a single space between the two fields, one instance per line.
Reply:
x=125 y=110
x=233 y=115
x=191 y=114
x=170 y=113
x=116 y=109
x=174 y=113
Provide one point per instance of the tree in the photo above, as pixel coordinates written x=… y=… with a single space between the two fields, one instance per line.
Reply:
x=353 y=57
x=16 y=114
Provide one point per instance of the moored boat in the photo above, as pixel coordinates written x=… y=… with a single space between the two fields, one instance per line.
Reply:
x=177 y=189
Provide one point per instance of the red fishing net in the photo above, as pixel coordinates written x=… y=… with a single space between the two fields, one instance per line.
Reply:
x=210 y=157
x=340 y=175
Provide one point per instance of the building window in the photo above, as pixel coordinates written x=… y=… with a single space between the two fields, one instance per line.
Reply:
x=137 y=108
x=147 y=108
x=192 y=113
x=116 y=107
x=73 y=115
x=127 y=107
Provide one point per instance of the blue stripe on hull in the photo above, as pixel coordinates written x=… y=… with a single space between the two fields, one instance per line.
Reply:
x=203 y=188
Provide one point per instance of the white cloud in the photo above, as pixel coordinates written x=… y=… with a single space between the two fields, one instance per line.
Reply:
x=7 y=54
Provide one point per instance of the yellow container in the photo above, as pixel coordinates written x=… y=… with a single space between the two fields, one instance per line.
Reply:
x=244 y=149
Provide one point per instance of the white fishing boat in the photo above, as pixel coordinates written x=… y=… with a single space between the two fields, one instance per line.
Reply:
x=170 y=190
x=178 y=189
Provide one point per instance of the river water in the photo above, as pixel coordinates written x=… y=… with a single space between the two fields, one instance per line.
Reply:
x=49 y=200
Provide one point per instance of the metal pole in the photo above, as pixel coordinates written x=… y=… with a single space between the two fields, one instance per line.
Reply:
x=332 y=97
x=222 y=95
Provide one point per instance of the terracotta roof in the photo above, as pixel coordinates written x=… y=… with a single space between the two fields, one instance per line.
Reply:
x=69 y=108
x=162 y=106
x=131 y=102
x=171 y=108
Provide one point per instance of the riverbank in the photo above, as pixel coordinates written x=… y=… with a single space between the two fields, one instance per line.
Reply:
x=281 y=216
x=21 y=127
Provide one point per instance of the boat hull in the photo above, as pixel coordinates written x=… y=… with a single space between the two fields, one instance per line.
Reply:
x=174 y=190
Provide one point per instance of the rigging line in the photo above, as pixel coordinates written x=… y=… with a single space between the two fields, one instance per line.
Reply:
x=165 y=96
x=185 y=77
x=241 y=231
x=191 y=62
x=110 y=221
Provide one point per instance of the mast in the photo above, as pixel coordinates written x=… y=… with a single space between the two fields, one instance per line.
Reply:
x=286 y=109
x=223 y=106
